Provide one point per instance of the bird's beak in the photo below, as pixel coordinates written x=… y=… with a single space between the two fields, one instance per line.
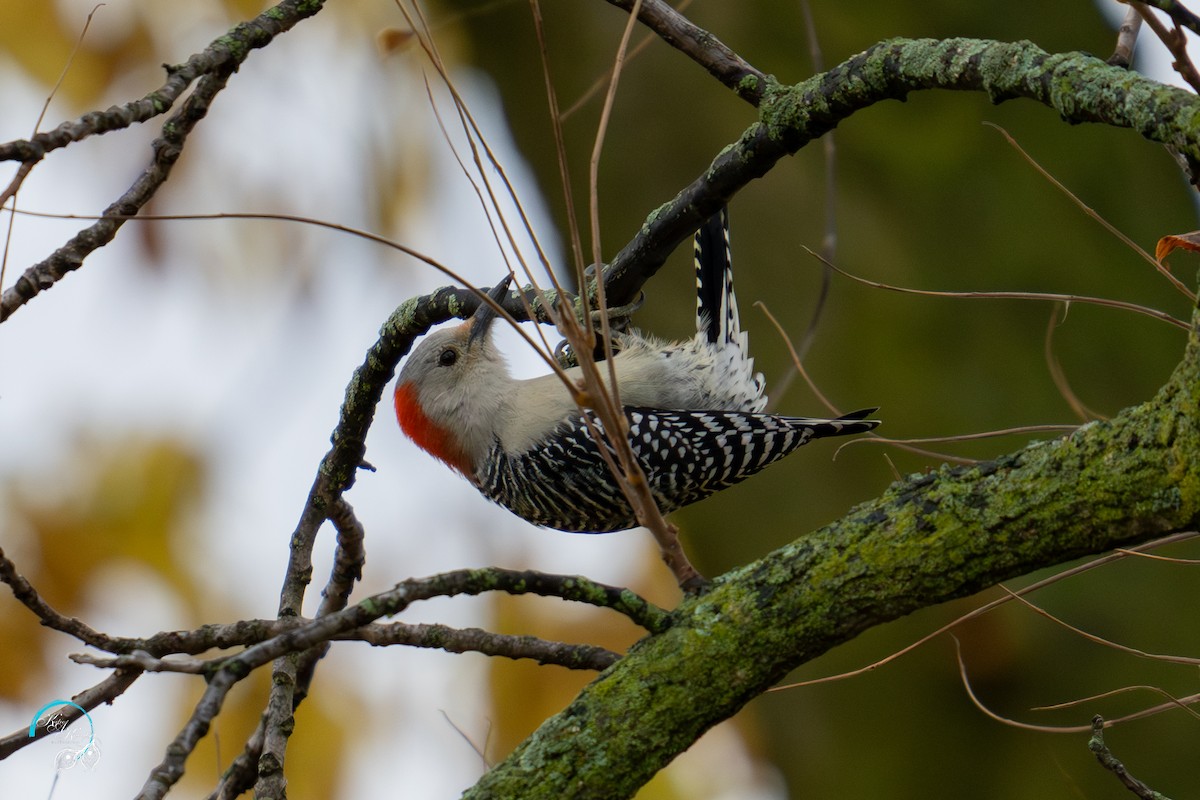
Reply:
x=481 y=320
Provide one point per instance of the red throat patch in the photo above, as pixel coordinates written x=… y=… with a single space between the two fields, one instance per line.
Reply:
x=429 y=436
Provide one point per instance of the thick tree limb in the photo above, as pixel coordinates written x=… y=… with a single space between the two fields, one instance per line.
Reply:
x=1109 y=484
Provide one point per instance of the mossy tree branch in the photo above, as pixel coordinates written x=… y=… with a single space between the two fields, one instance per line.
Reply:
x=1080 y=87
x=928 y=539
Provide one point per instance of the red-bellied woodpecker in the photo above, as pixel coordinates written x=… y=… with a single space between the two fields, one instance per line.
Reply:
x=693 y=407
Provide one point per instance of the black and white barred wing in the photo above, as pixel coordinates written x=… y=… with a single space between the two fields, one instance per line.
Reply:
x=564 y=483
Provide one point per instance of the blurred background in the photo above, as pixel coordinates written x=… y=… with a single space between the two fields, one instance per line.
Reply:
x=163 y=409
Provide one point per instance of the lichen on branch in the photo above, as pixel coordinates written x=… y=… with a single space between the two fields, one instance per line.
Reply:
x=930 y=538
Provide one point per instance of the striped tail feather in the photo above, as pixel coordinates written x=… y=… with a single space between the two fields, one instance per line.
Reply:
x=846 y=424
x=716 y=304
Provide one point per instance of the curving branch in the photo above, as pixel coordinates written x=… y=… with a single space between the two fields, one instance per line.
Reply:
x=1080 y=87
x=212 y=68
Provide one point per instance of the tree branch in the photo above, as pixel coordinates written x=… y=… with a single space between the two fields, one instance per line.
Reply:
x=475 y=640
x=215 y=64
x=105 y=691
x=1109 y=484
x=1113 y=764
x=1178 y=14
x=1079 y=87
x=701 y=46
x=234 y=668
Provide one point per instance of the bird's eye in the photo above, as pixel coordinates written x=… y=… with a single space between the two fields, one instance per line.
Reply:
x=448 y=357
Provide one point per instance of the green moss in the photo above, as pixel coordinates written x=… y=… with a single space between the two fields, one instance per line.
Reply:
x=748 y=85
x=371 y=607
x=653 y=216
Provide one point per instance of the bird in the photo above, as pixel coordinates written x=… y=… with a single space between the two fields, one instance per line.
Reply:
x=694 y=410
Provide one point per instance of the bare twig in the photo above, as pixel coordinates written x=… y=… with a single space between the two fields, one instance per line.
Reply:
x=965 y=437
x=27 y=596
x=1059 y=377
x=1127 y=35
x=830 y=235
x=887 y=71
x=1179 y=285
x=1175 y=41
x=1153 y=313
x=599 y=84
x=1173 y=703
x=140 y=660
x=1181 y=703
x=292 y=675
x=475 y=640
x=10 y=192
x=560 y=147
x=1112 y=764
x=105 y=691
x=1091 y=637
x=1190 y=562
x=699 y=45
x=1177 y=12
x=301 y=638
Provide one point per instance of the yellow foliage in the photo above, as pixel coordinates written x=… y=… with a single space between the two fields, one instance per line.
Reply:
x=110 y=501
x=37 y=35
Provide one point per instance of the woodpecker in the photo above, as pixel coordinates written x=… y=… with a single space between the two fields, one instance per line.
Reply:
x=694 y=410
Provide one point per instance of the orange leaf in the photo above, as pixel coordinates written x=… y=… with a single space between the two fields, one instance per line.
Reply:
x=1185 y=241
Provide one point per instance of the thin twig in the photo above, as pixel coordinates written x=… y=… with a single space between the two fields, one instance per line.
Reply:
x=602 y=81
x=1181 y=703
x=964 y=437
x=27 y=596
x=1059 y=377
x=699 y=45
x=989 y=606
x=1179 y=285
x=1153 y=313
x=1176 y=43
x=103 y=692
x=10 y=192
x=142 y=661
x=476 y=640
x=829 y=152
x=1127 y=33
x=1178 y=13
x=1091 y=637
x=1112 y=764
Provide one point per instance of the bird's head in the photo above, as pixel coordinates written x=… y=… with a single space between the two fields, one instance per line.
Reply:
x=452 y=388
